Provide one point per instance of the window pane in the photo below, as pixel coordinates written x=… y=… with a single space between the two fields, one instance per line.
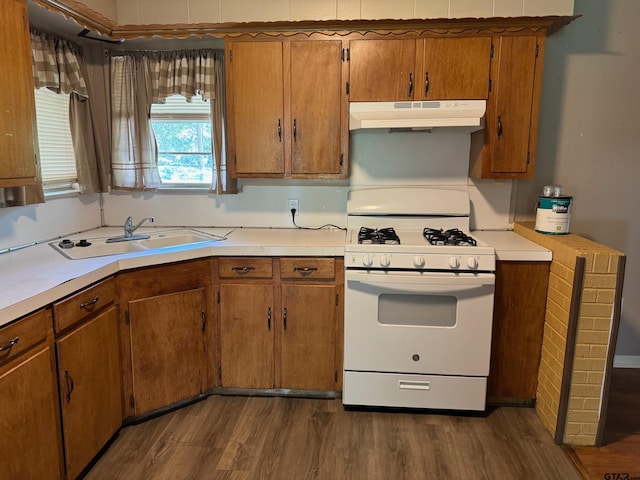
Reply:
x=57 y=158
x=185 y=168
x=183 y=136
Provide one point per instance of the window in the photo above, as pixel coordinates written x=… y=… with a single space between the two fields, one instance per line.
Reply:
x=183 y=136
x=57 y=159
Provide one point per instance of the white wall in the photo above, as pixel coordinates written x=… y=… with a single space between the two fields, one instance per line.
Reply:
x=56 y=217
x=260 y=204
x=589 y=137
x=437 y=158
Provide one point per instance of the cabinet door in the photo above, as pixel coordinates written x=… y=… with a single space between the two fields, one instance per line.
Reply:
x=382 y=70
x=168 y=348
x=454 y=69
x=518 y=323
x=316 y=99
x=255 y=105
x=509 y=124
x=308 y=337
x=247 y=335
x=90 y=388
x=30 y=440
x=17 y=104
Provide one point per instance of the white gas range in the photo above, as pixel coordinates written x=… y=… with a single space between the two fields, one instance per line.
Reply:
x=418 y=301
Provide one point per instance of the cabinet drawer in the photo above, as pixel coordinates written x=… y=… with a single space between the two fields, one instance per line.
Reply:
x=24 y=334
x=245 y=267
x=306 y=268
x=84 y=303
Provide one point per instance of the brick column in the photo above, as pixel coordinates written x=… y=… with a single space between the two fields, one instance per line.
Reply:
x=578 y=322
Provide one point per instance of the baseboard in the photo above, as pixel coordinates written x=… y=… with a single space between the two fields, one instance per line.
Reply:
x=626 y=361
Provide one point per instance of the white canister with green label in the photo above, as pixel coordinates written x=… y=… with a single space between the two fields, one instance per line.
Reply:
x=553 y=215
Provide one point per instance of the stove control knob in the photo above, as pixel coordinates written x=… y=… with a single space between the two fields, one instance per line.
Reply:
x=418 y=261
x=385 y=261
x=367 y=260
x=454 y=262
x=472 y=262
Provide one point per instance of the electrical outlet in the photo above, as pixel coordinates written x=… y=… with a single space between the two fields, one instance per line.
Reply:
x=293 y=204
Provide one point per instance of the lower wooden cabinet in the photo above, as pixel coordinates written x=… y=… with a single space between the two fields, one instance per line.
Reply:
x=30 y=443
x=308 y=337
x=279 y=324
x=247 y=326
x=168 y=334
x=90 y=388
x=518 y=323
x=168 y=348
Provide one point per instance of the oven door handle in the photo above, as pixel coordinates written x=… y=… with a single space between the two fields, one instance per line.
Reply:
x=423 y=283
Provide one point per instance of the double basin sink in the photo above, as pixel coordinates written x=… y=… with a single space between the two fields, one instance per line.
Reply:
x=81 y=248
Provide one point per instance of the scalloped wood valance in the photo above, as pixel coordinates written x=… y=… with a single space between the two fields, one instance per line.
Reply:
x=95 y=21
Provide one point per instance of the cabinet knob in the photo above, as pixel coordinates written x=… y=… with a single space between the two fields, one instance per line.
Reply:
x=70 y=384
x=10 y=344
x=243 y=269
x=410 y=85
x=295 y=130
x=499 y=126
x=279 y=130
x=426 y=84
x=89 y=304
x=305 y=270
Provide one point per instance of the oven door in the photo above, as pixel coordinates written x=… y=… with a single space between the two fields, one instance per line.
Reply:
x=435 y=323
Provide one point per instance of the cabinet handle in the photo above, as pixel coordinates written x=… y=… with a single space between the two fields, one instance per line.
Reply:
x=243 y=269
x=305 y=270
x=499 y=126
x=279 y=131
x=269 y=318
x=90 y=303
x=204 y=321
x=295 y=130
x=70 y=385
x=284 y=318
x=426 y=84
x=410 y=85
x=11 y=343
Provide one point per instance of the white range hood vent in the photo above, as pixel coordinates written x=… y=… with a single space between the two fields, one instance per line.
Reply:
x=463 y=114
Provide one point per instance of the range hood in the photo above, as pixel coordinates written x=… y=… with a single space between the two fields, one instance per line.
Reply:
x=465 y=114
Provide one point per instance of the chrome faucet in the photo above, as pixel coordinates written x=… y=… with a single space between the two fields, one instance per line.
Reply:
x=129 y=228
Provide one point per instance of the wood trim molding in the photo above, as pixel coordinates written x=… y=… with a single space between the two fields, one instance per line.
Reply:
x=613 y=337
x=572 y=330
x=81 y=14
x=93 y=20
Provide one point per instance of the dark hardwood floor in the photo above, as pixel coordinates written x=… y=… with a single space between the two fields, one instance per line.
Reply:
x=226 y=437
x=621 y=450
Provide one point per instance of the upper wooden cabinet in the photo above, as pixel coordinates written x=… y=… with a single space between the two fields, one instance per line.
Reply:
x=17 y=104
x=419 y=69
x=286 y=105
x=506 y=148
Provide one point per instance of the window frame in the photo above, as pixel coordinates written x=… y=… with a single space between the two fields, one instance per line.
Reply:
x=172 y=114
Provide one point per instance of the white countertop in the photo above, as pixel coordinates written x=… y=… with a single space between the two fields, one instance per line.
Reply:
x=513 y=247
x=36 y=276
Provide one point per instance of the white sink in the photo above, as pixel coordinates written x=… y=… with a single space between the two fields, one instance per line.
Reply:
x=100 y=247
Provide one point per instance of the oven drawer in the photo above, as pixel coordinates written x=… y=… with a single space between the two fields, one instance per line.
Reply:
x=414 y=391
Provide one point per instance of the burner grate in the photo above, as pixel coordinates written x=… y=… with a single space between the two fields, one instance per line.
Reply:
x=386 y=236
x=453 y=236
